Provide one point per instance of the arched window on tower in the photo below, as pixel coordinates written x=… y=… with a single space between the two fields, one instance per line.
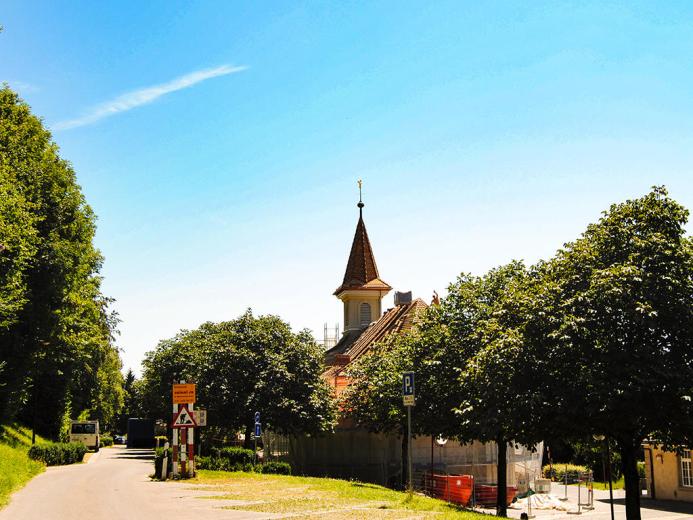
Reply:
x=365 y=314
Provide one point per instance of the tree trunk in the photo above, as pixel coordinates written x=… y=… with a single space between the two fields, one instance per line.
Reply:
x=502 y=486
x=629 y=463
x=405 y=460
x=249 y=436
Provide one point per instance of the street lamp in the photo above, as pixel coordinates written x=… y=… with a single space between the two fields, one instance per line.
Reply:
x=608 y=458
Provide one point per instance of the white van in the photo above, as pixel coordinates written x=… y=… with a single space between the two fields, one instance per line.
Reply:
x=86 y=432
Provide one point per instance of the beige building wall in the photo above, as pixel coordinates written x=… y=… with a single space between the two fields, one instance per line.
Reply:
x=352 y=307
x=666 y=476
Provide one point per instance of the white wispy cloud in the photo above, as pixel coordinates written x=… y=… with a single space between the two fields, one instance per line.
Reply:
x=146 y=95
x=21 y=86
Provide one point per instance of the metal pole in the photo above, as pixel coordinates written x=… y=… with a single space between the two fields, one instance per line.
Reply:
x=608 y=465
x=409 y=450
x=565 y=480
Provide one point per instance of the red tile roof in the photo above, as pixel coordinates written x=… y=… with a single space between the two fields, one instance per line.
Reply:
x=352 y=346
x=361 y=271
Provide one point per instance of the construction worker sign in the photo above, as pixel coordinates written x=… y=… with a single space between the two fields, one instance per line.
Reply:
x=183 y=419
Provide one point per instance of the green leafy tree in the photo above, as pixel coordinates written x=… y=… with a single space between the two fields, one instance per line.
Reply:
x=621 y=338
x=242 y=366
x=131 y=406
x=373 y=398
x=439 y=349
x=54 y=321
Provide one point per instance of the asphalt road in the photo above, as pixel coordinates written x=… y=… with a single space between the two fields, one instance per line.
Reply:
x=114 y=485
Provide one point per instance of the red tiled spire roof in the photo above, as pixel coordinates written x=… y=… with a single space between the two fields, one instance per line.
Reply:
x=361 y=271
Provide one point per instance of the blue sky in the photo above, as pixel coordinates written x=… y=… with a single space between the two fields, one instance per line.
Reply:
x=220 y=143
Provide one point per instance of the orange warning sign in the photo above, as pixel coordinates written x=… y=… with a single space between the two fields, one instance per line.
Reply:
x=183 y=394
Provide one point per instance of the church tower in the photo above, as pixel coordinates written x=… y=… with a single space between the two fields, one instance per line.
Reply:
x=362 y=290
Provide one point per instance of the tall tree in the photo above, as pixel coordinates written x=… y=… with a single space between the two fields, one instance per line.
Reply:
x=439 y=350
x=242 y=366
x=622 y=340
x=54 y=321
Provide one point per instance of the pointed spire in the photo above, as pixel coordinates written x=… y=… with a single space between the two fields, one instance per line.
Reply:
x=361 y=271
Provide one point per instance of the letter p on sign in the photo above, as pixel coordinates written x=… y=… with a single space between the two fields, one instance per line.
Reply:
x=408 y=388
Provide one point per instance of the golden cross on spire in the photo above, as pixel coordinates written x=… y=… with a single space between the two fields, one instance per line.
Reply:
x=360 y=183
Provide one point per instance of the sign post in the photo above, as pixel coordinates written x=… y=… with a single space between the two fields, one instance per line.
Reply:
x=183 y=425
x=409 y=400
x=257 y=432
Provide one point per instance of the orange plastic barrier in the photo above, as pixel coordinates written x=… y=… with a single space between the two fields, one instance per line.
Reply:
x=453 y=488
x=485 y=494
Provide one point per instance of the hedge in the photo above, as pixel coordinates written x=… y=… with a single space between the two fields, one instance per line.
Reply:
x=106 y=440
x=277 y=468
x=219 y=464
x=233 y=455
x=559 y=470
x=222 y=464
x=56 y=454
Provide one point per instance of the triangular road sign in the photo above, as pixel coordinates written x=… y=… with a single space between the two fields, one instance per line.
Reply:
x=183 y=419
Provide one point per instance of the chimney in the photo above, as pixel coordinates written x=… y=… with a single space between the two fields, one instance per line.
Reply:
x=402 y=298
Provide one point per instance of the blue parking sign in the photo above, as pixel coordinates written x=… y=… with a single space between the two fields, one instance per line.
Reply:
x=408 y=383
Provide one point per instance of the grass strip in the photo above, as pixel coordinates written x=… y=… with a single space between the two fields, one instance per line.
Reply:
x=311 y=496
x=16 y=468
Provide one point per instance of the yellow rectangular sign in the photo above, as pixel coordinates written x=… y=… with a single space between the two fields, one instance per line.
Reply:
x=183 y=394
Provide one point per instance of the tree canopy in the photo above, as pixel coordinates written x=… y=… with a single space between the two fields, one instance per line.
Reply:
x=56 y=331
x=242 y=366
x=596 y=340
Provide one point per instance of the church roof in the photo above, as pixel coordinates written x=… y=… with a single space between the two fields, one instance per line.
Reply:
x=356 y=343
x=361 y=271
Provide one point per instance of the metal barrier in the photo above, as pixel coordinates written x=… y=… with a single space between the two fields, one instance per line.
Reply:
x=460 y=489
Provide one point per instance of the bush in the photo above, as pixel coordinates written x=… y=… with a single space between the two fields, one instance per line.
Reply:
x=277 y=468
x=641 y=468
x=230 y=458
x=56 y=454
x=591 y=454
x=106 y=440
x=559 y=471
x=234 y=456
x=220 y=464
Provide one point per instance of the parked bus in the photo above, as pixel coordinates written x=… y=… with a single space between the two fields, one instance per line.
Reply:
x=86 y=432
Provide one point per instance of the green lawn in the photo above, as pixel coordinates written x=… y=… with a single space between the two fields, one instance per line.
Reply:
x=616 y=484
x=16 y=468
x=324 y=497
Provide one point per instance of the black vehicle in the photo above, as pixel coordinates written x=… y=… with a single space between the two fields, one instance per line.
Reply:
x=140 y=433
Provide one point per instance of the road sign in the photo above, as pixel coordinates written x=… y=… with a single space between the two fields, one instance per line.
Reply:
x=183 y=419
x=257 y=417
x=408 y=388
x=183 y=393
x=258 y=430
x=201 y=417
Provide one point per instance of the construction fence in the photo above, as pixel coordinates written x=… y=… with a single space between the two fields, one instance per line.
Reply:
x=466 y=474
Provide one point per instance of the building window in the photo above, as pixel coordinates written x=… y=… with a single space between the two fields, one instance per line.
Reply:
x=686 y=469
x=365 y=314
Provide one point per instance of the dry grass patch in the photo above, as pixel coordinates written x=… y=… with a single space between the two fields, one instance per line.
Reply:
x=322 y=497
